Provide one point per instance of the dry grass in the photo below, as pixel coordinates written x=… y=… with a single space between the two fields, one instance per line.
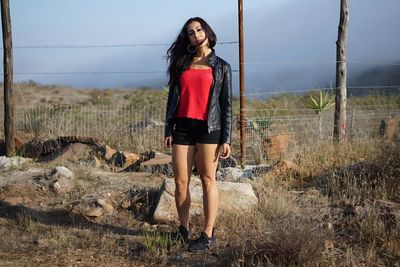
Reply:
x=342 y=210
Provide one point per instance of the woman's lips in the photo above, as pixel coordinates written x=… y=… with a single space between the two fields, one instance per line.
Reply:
x=199 y=42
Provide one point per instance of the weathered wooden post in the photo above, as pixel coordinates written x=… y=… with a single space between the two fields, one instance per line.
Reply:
x=241 y=81
x=8 y=79
x=339 y=130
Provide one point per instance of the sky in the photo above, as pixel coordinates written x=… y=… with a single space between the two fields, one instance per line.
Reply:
x=289 y=44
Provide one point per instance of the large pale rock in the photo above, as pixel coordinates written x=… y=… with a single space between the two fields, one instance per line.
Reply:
x=233 y=197
x=61 y=171
x=7 y=163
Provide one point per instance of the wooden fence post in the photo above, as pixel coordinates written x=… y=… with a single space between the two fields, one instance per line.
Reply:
x=339 y=130
x=8 y=79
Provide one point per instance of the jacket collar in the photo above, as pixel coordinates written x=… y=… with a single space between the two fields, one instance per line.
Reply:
x=212 y=59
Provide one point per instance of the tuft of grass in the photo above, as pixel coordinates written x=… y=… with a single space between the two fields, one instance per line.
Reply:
x=158 y=242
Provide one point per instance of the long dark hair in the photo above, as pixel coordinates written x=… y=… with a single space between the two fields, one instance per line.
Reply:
x=178 y=56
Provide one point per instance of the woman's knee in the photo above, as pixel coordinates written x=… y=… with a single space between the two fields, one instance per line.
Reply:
x=181 y=186
x=208 y=181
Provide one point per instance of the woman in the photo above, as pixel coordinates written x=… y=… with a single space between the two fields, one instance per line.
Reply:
x=198 y=121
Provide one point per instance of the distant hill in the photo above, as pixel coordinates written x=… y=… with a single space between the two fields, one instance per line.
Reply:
x=382 y=79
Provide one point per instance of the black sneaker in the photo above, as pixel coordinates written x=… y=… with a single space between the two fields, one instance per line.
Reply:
x=183 y=234
x=202 y=243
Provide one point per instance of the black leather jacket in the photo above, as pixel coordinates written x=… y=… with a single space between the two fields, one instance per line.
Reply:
x=220 y=101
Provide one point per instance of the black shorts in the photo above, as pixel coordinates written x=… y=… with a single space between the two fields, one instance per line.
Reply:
x=190 y=131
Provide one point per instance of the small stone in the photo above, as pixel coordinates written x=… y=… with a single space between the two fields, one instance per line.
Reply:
x=94 y=212
x=126 y=204
x=108 y=208
x=62 y=186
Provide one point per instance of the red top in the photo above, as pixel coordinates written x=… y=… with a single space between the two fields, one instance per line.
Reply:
x=195 y=91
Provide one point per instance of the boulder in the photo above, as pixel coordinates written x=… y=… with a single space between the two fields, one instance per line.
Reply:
x=71 y=152
x=276 y=146
x=241 y=194
x=124 y=159
x=229 y=162
x=161 y=163
x=61 y=171
x=109 y=153
x=7 y=163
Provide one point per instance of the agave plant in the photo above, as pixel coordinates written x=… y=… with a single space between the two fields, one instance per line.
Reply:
x=319 y=105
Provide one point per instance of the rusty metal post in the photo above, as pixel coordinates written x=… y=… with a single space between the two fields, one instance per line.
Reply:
x=241 y=80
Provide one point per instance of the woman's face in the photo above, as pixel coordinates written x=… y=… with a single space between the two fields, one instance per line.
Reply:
x=196 y=34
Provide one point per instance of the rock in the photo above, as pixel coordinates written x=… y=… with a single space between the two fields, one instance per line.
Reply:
x=109 y=153
x=12 y=201
x=238 y=174
x=275 y=147
x=92 y=161
x=161 y=163
x=71 y=152
x=235 y=174
x=285 y=167
x=391 y=128
x=62 y=185
x=241 y=194
x=94 y=212
x=108 y=208
x=229 y=162
x=7 y=163
x=126 y=204
x=61 y=171
x=124 y=159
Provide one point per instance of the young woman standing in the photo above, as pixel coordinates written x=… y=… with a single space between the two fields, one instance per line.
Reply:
x=198 y=121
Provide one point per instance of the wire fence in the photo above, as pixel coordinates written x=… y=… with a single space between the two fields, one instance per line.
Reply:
x=140 y=129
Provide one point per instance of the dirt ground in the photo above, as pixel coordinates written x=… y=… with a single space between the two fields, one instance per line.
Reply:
x=42 y=227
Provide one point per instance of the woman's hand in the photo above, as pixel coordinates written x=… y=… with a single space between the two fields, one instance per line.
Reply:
x=168 y=141
x=225 y=151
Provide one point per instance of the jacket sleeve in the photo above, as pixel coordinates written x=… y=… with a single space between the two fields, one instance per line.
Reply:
x=225 y=100
x=168 y=122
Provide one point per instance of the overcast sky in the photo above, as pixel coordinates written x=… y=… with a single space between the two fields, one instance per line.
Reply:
x=289 y=44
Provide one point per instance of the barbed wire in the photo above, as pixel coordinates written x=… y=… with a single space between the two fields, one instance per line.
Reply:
x=321 y=89
x=101 y=46
x=318 y=62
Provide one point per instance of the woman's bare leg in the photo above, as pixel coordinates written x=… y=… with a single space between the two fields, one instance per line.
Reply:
x=206 y=163
x=182 y=162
